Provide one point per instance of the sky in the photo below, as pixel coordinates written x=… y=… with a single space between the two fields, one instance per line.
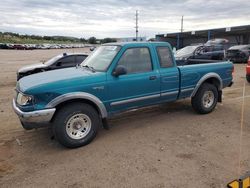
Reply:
x=116 y=18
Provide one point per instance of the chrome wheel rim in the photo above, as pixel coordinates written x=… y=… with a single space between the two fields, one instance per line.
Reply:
x=208 y=99
x=78 y=126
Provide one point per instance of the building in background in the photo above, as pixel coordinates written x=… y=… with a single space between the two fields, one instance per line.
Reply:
x=131 y=39
x=235 y=35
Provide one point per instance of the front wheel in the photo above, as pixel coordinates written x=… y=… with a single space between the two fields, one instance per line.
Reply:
x=206 y=98
x=76 y=125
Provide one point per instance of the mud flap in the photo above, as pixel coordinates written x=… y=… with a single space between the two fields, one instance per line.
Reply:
x=220 y=96
x=105 y=124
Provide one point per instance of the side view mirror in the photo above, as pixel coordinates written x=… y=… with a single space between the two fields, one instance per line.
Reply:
x=92 y=48
x=119 y=70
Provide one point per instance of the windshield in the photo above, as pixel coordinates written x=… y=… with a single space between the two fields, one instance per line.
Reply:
x=101 y=58
x=186 y=50
x=53 y=60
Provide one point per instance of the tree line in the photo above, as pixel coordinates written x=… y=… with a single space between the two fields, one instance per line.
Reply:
x=91 y=40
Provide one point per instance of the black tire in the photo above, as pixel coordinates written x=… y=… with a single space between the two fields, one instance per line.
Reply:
x=62 y=118
x=197 y=100
x=248 y=78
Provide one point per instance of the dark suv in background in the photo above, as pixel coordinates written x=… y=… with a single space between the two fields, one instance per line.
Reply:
x=239 y=53
x=64 y=60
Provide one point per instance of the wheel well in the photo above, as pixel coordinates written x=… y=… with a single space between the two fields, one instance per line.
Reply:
x=215 y=82
x=61 y=105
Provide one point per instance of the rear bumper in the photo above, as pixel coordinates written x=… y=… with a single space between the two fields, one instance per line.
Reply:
x=39 y=116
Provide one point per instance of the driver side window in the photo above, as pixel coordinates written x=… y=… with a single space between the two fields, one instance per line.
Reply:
x=67 y=61
x=136 y=60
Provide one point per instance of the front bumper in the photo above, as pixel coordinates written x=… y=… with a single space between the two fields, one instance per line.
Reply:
x=39 y=116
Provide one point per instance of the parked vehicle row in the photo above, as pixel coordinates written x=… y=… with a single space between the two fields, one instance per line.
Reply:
x=216 y=49
x=40 y=46
x=212 y=50
x=116 y=77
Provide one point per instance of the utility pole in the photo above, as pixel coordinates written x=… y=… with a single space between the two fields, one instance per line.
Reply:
x=136 y=25
x=182 y=24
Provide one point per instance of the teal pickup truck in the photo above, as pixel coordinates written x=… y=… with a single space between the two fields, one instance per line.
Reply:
x=116 y=77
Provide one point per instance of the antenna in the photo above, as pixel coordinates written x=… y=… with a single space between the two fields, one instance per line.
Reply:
x=136 y=25
x=182 y=24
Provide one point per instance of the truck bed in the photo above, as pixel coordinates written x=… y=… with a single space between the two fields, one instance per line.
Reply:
x=191 y=74
x=196 y=61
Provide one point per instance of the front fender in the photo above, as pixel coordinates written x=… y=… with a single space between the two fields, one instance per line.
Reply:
x=79 y=95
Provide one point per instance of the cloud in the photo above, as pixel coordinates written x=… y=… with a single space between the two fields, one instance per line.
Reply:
x=112 y=18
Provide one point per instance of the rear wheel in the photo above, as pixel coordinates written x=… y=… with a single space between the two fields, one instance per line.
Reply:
x=248 y=78
x=206 y=98
x=76 y=125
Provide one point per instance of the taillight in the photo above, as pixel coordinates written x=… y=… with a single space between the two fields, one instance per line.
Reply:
x=233 y=72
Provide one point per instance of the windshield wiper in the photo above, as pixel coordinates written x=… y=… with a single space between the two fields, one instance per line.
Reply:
x=89 y=67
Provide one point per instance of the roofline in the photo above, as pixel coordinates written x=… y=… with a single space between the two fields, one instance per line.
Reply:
x=74 y=53
x=204 y=30
x=134 y=42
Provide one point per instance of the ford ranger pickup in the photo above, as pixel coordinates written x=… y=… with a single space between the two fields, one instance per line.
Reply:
x=116 y=77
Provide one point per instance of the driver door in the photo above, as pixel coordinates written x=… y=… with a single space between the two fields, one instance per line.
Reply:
x=140 y=86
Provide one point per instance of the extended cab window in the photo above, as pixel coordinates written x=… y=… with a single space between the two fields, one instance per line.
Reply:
x=136 y=60
x=165 y=57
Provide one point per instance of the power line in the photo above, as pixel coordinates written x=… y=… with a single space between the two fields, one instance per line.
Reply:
x=182 y=20
x=136 y=25
x=182 y=24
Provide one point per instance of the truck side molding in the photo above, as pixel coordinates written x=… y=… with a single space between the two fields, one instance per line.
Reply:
x=206 y=77
x=79 y=95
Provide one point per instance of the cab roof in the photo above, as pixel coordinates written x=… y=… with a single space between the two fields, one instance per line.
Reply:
x=137 y=43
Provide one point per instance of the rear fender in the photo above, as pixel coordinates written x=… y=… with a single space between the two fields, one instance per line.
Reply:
x=206 y=78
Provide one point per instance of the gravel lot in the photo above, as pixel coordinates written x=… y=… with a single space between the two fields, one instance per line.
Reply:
x=161 y=146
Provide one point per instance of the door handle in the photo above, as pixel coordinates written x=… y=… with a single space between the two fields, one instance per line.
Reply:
x=152 y=77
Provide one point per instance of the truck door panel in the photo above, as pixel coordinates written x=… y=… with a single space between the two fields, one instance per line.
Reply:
x=169 y=74
x=139 y=87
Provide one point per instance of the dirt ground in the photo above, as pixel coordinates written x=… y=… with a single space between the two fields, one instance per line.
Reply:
x=162 y=146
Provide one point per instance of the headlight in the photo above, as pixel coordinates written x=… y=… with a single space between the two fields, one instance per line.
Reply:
x=23 y=99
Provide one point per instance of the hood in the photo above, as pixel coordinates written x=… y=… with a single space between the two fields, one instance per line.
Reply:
x=57 y=79
x=31 y=67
